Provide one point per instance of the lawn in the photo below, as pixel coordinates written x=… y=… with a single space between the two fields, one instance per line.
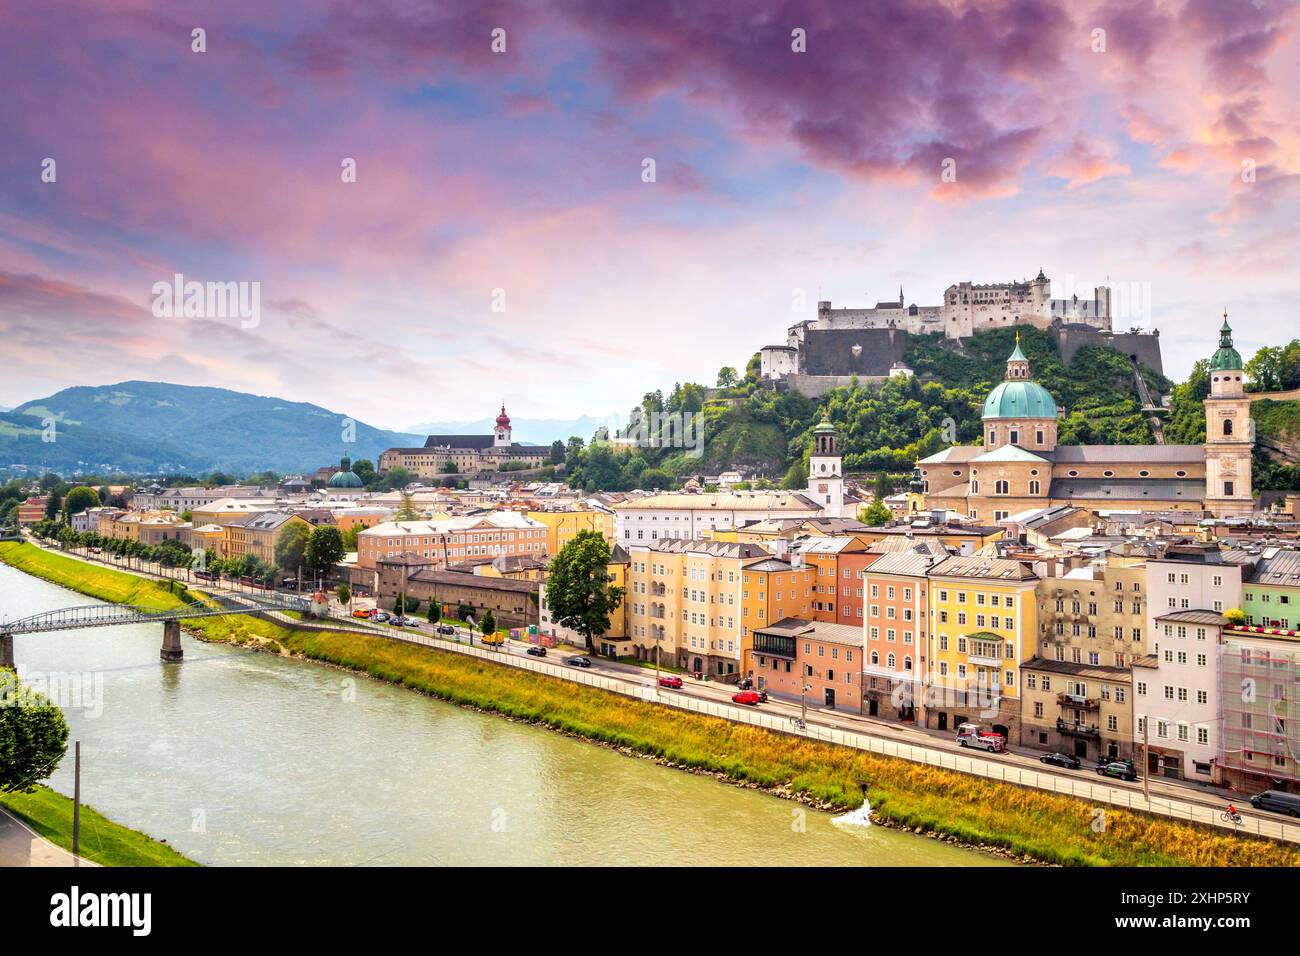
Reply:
x=102 y=841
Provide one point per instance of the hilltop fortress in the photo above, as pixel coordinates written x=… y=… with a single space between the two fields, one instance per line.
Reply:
x=869 y=343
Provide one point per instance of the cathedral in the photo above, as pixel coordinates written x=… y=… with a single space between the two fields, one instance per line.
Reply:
x=1020 y=466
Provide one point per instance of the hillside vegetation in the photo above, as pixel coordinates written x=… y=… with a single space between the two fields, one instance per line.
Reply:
x=882 y=426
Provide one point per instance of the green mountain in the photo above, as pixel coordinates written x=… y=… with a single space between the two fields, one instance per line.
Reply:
x=159 y=427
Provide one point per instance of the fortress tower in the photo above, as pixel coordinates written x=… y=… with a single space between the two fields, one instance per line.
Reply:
x=1229 y=438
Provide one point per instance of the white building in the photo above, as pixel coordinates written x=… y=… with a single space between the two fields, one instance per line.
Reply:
x=1176 y=698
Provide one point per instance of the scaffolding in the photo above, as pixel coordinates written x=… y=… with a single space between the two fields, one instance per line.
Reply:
x=1259 y=698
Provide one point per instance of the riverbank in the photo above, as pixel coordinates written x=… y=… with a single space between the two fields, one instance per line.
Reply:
x=102 y=841
x=951 y=806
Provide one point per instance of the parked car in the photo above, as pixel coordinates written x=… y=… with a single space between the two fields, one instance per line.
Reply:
x=745 y=683
x=446 y=629
x=536 y=650
x=362 y=612
x=1061 y=760
x=380 y=616
x=1118 y=769
x=579 y=661
x=670 y=680
x=397 y=620
x=750 y=697
x=1277 y=801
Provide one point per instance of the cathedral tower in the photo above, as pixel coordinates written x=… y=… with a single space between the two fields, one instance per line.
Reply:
x=1229 y=438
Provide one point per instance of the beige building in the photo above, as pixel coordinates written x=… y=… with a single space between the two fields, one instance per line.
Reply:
x=1021 y=467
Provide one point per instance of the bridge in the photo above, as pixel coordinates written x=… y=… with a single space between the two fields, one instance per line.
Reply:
x=111 y=615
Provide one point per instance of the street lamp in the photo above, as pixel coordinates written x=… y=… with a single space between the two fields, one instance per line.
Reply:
x=803 y=704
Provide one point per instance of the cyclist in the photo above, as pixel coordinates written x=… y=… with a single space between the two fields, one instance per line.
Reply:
x=1233 y=814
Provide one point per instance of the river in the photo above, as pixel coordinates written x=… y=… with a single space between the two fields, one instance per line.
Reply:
x=242 y=758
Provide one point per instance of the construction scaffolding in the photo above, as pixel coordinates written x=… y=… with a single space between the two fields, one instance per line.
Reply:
x=1259 y=698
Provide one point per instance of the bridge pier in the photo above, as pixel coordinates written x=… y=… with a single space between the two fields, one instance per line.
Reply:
x=7 y=651
x=171 y=645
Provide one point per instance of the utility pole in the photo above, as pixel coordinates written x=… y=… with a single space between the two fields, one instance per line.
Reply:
x=76 y=805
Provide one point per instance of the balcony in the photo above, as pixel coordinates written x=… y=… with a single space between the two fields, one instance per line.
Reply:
x=1072 y=729
x=1078 y=702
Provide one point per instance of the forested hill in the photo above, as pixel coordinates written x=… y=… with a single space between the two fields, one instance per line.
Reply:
x=883 y=426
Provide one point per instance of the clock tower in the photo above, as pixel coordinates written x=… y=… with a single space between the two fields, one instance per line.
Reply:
x=1229 y=433
x=825 y=471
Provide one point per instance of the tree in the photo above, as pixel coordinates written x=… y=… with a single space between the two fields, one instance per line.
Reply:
x=79 y=499
x=365 y=470
x=291 y=546
x=407 y=511
x=33 y=735
x=52 y=506
x=727 y=377
x=579 y=589
x=434 y=612
x=488 y=625
x=324 y=547
x=884 y=485
x=557 y=452
x=1235 y=616
x=796 y=477
x=875 y=514
x=405 y=605
x=345 y=595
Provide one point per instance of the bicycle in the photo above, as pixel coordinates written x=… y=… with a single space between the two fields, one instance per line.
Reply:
x=1225 y=816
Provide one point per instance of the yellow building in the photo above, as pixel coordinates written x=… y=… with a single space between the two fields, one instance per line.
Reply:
x=257 y=534
x=983 y=628
x=688 y=602
x=563 y=526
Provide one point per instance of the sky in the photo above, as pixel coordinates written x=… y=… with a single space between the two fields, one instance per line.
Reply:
x=502 y=238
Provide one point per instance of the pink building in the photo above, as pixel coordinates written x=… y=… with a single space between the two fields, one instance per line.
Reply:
x=896 y=635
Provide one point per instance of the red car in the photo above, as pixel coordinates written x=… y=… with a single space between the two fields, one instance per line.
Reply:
x=670 y=681
x=751 y=697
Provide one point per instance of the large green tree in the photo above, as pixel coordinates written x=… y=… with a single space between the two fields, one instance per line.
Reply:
x=291 y=546
x=33 y=735
x=579 y=589
x=875 y=514
x=79 y=499
x=324 y=547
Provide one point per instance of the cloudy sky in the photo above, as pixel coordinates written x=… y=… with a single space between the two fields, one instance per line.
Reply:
x=500 y=243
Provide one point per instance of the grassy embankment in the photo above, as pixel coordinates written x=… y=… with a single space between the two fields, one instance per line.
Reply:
x=102 y=841
x=1044 y=826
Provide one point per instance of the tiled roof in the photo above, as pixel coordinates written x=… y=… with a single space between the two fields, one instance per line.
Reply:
x=982 y=566
x=1130 y=454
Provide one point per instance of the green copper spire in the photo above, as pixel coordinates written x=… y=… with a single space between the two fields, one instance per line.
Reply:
x=1227 y=358
x=1017 y=355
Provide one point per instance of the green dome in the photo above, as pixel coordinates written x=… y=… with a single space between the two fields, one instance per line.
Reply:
x=1020 y=400
x=345 y=479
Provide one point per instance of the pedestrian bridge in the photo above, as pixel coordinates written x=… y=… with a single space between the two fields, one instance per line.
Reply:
x=110 y=615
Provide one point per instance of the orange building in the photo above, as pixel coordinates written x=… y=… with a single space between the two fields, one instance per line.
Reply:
x=818 y=662
x=896 y=635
